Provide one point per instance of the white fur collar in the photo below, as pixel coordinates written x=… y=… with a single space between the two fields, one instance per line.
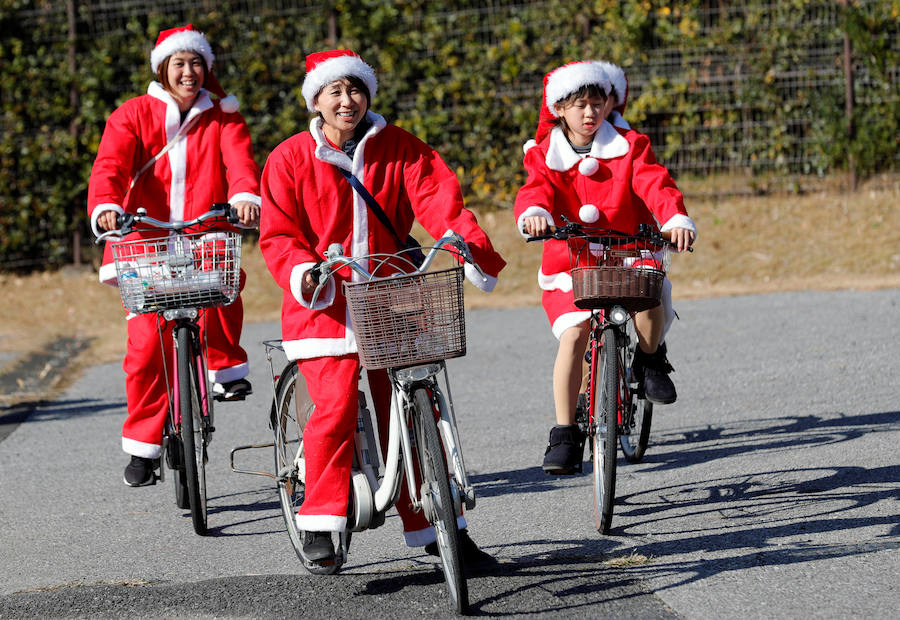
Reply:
x=608 y=144
x=327 y=153
x=201 y=104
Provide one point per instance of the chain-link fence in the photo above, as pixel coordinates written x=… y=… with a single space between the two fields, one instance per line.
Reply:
x=787 y=87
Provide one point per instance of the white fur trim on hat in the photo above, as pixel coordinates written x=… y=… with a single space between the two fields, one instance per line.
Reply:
x=588 y=214
x=333 y=69
x=184 y=41
x=569 y=78
x=616 y=78
x=588 y=166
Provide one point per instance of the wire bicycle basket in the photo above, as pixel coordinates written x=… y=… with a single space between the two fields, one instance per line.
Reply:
x=622 y=272
x=406 y=320
x=184 y=270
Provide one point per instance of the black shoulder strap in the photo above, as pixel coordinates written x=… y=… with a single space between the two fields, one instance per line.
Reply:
x=373 y=204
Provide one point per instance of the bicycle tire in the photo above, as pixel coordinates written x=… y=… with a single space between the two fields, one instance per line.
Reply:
x=174 y=458
x=436 y=488
x=634 y=432
x=636 y=435
x=191 y=430
x=288 y=424
x=605 y=422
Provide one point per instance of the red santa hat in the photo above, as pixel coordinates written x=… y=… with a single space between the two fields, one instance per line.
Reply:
x=562 y=82
x=323 y=68
x=189 y=39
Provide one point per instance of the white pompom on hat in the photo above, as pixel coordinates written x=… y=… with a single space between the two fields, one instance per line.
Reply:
x=619 y=82
x=189 y=39
x=323 y=68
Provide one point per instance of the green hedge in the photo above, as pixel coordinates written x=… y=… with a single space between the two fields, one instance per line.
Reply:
x=715 y=88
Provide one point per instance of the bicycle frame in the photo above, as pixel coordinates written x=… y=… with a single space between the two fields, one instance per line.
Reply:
x=404 y=382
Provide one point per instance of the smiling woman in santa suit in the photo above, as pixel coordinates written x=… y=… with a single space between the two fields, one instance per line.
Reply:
x=174 y=151
x=308 y=204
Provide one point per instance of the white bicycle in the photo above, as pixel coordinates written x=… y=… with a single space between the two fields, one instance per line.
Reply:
x=408 y=324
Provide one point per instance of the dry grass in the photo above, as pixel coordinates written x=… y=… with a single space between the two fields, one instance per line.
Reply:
x=825 y=239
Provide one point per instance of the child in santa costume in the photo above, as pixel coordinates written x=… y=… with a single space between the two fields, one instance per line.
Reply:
x=174 y=151
x=582 y=167
x=308 y=204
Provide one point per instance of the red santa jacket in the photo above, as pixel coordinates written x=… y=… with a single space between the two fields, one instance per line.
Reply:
x=210 y=160
x=308 y=205
x=619 y=185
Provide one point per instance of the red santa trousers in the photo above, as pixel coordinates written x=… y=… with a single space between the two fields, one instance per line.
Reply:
x=145 y=382
x=333 y=384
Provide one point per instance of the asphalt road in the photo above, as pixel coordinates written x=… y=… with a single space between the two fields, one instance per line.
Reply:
x=770 y=489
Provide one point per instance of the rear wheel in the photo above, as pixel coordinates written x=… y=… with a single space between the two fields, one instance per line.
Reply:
x=193 y=444
x=636 y=433
x=438 y=499
x=290 y=412
x=605 y=421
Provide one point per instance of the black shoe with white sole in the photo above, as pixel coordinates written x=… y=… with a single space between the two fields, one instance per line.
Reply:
x=141 y=472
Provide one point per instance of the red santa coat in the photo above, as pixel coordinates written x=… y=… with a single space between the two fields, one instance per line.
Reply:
x=308 y=204
x=619 y=185
x=211 y=160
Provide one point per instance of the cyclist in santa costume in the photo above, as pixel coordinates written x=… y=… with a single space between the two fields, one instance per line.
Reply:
x=309 y=204
x=583 y=168
x=174 y=151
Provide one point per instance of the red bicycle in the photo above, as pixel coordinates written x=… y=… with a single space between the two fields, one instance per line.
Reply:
x=614 y=275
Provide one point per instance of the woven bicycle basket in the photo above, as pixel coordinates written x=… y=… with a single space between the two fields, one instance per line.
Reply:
x=603 y=286
x=408 y=320
x=196 y=270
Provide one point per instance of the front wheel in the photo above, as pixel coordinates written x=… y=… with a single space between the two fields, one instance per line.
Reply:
x=192 y=441
x=438 y=500
x=604 y=422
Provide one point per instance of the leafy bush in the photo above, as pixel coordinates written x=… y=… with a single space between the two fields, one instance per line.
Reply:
x=757 y=86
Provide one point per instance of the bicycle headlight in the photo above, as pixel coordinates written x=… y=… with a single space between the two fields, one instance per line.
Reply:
x=618 y=315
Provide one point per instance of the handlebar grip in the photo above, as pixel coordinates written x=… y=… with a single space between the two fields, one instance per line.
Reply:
x=124 y=220
x=316 y=272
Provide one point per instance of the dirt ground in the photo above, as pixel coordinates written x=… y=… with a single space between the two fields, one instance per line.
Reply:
x=823 y=238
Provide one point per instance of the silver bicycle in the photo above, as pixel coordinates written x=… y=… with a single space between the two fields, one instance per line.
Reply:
x=407 y=324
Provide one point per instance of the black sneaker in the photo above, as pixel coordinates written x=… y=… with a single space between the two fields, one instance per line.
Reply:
x=318 y=548
x=239 y=389
x=473 y=558
x=140 y=472
x=652 y=371
x=565 y=450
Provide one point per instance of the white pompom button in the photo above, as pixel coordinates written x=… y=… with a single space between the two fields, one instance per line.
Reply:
x=589 y=214
x=588 y=166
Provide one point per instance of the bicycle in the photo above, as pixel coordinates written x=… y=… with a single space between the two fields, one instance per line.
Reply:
x=614 y=275
x=407 y=323
x=175 y=275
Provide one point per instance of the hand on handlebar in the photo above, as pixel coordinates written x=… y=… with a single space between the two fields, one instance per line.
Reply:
x=680 y=238
x=107 y=220
x=247 y=213
x=535 y=225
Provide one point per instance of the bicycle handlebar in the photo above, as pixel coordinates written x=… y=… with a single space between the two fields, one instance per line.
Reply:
x=129 y=222
x=605 y=236
x=335 y=260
